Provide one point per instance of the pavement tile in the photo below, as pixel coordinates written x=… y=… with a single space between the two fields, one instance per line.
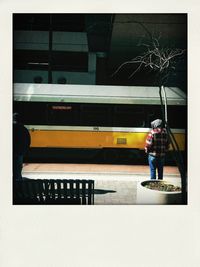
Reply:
x=114 y=184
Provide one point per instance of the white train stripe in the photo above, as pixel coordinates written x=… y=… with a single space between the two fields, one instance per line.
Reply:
x=93 y=129
x=66 y=93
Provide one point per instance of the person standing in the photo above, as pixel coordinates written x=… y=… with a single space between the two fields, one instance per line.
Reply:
x=21 y=144
x=157 y=143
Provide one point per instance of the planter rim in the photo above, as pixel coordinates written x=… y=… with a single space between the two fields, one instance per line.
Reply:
x=158 y=191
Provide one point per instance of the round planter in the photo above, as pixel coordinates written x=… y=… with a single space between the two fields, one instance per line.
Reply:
x=151 y=196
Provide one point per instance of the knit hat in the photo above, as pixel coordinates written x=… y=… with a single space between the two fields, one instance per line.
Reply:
x=156 y=123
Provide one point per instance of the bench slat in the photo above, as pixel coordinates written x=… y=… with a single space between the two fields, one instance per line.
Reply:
x=54 y=191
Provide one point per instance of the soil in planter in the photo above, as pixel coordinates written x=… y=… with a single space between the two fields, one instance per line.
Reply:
x=162 y=186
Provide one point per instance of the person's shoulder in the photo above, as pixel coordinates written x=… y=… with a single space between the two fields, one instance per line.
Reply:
x=16 y=126
x=154 y=131
x=164 y=130
x=19 y=127
x=151 y=131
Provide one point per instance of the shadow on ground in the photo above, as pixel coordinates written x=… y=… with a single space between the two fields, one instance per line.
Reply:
x=102 y=191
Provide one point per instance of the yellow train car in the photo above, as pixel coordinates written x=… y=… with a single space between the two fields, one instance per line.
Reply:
x=90 y=122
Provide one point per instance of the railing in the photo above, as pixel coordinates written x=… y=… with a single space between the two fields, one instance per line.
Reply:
x=53 y=191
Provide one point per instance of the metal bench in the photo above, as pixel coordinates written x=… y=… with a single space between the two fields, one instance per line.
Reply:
x=53 y=191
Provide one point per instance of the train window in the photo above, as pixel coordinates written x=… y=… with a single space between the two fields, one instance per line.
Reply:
x=128 y=116
x=63 y=114
x=31 y=113
x=95 y=115
x=153 y=112
x=177 y=117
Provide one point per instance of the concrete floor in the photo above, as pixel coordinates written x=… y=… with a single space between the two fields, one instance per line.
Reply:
x=114 y=184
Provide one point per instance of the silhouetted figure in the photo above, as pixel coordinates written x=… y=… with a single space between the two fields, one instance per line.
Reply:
x=157 y=144
x=21 y=144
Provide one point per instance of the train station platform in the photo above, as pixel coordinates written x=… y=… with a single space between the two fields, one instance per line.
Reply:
x=114 y=184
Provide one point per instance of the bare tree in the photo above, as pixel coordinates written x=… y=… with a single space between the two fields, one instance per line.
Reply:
x=163 y=62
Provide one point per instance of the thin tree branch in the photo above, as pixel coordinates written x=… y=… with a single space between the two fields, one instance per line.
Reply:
x=156 y=57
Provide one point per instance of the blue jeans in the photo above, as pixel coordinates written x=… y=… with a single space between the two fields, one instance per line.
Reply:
x=156 y=163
